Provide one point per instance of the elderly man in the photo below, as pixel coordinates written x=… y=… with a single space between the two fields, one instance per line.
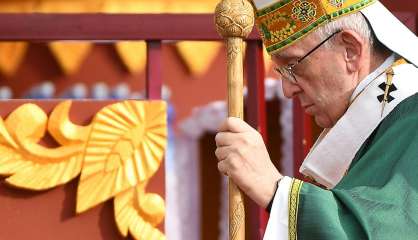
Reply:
x=353 y=66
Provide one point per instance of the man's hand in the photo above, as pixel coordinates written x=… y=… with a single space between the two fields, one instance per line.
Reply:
x=243 y=157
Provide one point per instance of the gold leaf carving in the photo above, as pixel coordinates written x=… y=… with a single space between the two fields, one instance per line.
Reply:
x=138 y=213
x=125 y=148
x=31 y=165
x=117 y=154
x=62 y=129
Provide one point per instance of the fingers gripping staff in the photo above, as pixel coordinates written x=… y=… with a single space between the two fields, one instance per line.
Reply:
x=234 y=21
x=244 y=158
x=233 y=142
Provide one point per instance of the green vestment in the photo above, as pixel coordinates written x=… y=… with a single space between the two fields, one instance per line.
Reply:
x=378 y=197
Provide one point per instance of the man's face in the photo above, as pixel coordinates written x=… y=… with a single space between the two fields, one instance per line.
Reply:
x=324 y=86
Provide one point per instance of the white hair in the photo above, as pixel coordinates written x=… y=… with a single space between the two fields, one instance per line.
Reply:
x=356 y=22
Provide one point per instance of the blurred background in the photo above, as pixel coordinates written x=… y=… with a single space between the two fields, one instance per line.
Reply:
x=116 y=70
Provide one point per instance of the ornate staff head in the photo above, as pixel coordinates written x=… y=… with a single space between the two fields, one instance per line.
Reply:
x=234 y=18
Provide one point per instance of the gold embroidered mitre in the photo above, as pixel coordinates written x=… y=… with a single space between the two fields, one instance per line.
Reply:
x=283 y=22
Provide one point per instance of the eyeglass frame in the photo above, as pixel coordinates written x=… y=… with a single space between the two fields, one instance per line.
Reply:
x=288 y=69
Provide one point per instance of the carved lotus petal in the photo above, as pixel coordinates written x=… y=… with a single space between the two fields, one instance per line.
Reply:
x=235 y=30
x=223 y=21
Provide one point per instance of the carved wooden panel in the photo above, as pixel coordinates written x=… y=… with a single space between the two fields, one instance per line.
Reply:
x=117 y=147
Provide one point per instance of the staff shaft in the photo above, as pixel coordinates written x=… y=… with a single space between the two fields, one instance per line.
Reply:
x=235 y=109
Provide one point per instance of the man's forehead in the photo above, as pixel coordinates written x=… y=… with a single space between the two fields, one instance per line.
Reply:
x=287 y=53
x=297 y=49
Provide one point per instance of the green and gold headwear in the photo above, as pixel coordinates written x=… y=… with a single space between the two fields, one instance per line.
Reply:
x=283 y=22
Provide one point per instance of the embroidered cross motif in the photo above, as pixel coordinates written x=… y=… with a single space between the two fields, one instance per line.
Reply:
x=391 y=88
x=388 y=87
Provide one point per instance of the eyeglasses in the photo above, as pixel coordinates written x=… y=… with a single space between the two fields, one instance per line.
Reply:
x=287 y=71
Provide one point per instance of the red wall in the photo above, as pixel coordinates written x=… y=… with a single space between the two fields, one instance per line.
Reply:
x=401 y=5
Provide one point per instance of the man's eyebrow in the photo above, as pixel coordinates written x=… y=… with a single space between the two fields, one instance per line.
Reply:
x=282 y=55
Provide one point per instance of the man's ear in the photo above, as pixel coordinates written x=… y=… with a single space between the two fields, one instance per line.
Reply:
x=354 y=46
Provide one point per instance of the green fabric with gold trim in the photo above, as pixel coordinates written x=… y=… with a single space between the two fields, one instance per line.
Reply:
x=377 y=199
x=283 y=22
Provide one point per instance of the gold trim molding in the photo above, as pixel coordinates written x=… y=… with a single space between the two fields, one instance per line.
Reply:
x=116 y=155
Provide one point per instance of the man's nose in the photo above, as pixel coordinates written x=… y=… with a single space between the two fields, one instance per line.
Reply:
x=290 y=89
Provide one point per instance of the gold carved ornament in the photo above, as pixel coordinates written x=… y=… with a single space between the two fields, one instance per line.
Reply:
x=117 y=154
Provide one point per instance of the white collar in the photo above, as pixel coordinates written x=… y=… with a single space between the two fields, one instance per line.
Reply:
x=372 y=76
x=332 y=154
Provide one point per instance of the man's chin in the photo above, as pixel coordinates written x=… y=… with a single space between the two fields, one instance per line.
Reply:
x=323 y=122
x=321 y=119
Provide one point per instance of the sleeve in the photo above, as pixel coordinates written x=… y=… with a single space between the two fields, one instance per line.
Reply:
x=318 y=214
x=277 y=226
x=292 y=195
x=304 y=211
